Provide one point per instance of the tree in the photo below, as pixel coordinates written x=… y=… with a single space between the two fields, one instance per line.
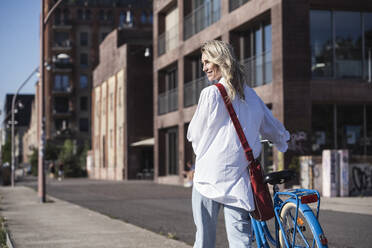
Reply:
x=7 y=152
x=71 y=162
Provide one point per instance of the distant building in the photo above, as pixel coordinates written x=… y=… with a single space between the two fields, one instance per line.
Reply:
x=73 y=35
x=30 y=137
x=22 y=119
x=309 y=60
x=122 y=106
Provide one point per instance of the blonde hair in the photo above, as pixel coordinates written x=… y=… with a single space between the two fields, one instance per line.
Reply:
x=222 y=54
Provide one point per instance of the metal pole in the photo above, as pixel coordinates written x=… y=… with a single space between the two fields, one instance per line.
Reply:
x=13 y=122
x=369 y=65
x=41 y=171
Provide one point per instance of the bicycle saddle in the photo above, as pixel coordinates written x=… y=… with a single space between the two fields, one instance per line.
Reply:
x=279 y=177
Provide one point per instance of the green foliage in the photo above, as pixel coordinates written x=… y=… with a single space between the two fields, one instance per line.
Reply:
x=72 y=163
x=7 y=152
x=51 y=151
x=34 y=158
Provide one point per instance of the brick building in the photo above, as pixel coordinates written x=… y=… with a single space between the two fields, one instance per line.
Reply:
x=309 y=60
x=72 y=41
x=122 y=106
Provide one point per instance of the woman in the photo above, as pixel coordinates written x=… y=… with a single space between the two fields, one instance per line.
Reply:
x=221 y=178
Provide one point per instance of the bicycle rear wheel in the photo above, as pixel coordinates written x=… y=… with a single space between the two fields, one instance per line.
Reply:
x=308 y=231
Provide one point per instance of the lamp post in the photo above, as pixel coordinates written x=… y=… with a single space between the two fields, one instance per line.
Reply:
x=13 y=123
x=41 y=172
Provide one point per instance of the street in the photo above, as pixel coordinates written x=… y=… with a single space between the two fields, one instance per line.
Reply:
x=166 y=210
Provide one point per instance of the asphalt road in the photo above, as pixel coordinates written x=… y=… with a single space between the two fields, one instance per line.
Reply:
x=166 y=210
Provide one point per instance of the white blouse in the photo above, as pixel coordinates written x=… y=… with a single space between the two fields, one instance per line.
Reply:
x=221 y=166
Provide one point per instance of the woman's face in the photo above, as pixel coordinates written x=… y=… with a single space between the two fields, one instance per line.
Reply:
x=212 y=71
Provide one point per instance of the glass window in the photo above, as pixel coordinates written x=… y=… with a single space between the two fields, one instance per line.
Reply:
x=348 y=44
x=268 y=55
x=84 y=125
x=61 y=104
x=258 y=54
x=143 y=17
x=102 y=15
x=83 y=81
x=80 y=14
x=83 y=39
x=83 y=103
x=172 y=151
x=322 y=127
x=368 y=44
x=368 y=140
x=61 y=82
x=350 y=128
x=83 y=59
x=321 y=43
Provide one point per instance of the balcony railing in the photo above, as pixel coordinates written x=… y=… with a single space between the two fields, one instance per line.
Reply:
x=62 y=45
x=168 y=40
x=62 y=23
x=62 y=89
x=258 y=69
x=168 y=101
x=192 y=90
x=202 y=17
x=234 y=4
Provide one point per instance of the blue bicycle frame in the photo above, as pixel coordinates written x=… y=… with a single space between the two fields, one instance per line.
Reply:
x=262 y=233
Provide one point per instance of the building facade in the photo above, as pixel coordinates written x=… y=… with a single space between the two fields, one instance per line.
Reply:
x=22 y=118
x=309 y=60
x=30 y=138
x=122 y=106
x=72 y=38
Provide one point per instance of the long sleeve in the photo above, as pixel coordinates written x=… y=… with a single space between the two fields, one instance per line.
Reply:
x=198 y=124
x=273 y=130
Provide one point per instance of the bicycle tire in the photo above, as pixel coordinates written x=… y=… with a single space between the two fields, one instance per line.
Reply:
x=307 y=224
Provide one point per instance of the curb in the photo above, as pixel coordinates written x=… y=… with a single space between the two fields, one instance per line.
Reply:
x=9 y=241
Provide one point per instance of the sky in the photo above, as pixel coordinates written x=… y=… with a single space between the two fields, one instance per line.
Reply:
x=19 y=46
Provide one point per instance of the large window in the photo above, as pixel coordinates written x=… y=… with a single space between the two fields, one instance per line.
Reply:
x=83 y=39
x=84 y=125
x=168 y=87
x=255 y=53
x=339 y=43
x=61 y=83
x=83 y=81
x=172 y=151
x=321 y=44
x=342 y=127
x=83 y=103
x=368 y=45
x=83 y=59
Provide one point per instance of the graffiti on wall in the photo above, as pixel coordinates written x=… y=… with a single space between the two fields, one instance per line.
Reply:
x=360 y=179
x=298 y=142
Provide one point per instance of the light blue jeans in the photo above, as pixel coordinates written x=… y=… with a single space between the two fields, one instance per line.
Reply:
x=237 y=222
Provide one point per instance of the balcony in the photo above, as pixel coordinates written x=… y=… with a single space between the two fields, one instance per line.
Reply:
x=168 y=101
x=258 y=69
x=192 y=90
x=202 y=17
x=62 y=24
x=168 y=40
x=60 y=46
x=234 y=4
x=62 y=63
x=62 y=90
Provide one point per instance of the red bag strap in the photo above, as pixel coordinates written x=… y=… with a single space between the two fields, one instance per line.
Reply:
x=235 y=120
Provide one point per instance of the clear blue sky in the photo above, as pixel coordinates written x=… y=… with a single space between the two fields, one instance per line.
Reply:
x=19 y=45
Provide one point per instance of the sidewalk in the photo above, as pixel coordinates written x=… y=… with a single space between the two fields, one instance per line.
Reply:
x=62 y=224
x=356 y=205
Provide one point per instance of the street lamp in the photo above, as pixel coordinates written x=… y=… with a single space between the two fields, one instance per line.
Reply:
x=13 y=123
x=41 y=171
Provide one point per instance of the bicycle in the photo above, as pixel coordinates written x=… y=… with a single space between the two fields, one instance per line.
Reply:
x=289 y=206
